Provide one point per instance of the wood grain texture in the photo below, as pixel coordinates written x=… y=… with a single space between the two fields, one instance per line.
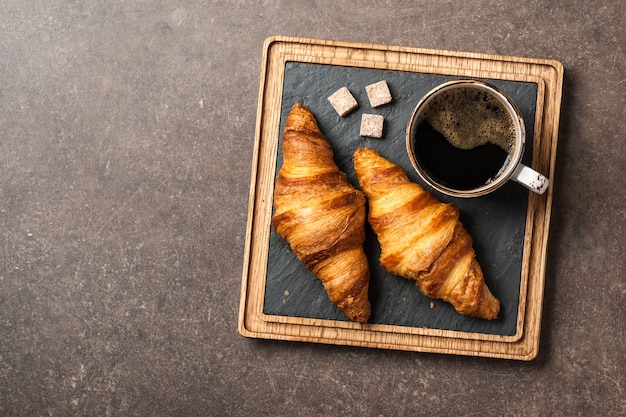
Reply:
x=547 y=74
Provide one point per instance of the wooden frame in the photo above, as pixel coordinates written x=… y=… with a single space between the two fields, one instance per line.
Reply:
x=278 y=51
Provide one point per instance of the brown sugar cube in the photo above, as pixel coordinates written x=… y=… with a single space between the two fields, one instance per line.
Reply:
x=372 y=125
x=343 y=101
x=378 y=93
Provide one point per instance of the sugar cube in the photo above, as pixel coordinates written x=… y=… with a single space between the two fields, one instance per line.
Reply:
x=372 y=125
x=343 y=101
x=378 y=93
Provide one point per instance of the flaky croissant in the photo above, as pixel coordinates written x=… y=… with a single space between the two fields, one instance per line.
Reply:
x=422 y=238
x=321 y=215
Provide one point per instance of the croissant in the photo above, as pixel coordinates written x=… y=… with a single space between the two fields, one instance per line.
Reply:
x=321 y=215
x=422 y=238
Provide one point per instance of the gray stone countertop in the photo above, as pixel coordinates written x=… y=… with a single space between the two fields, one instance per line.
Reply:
x=125 y=160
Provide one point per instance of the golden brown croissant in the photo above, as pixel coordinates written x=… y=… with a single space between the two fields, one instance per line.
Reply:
x=321 y=215
x=422 y=238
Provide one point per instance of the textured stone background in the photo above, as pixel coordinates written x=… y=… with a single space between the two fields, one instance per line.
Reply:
x=125 y=156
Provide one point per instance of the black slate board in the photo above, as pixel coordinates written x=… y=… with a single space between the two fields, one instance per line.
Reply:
x=496 y=222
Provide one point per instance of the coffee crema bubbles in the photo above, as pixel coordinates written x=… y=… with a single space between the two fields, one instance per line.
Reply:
x=468 y=117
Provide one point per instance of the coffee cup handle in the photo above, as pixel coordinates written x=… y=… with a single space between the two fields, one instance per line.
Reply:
x=531 y=179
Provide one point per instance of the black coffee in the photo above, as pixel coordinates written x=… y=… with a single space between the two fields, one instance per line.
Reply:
x=464 y=138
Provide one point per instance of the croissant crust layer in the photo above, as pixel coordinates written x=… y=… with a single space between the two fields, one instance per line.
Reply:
x=422 y=238
x=321 y=215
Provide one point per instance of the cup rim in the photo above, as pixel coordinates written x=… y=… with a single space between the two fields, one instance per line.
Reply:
x=514 y=159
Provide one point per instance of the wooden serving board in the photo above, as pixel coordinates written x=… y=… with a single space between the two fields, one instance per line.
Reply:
x=281 y=299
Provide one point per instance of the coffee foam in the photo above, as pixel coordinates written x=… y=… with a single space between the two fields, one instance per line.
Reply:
x=468 y=117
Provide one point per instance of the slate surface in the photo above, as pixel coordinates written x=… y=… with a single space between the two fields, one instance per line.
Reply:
x=496 y=221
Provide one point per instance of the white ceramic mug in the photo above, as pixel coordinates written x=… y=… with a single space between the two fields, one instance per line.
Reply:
x=437 y=101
